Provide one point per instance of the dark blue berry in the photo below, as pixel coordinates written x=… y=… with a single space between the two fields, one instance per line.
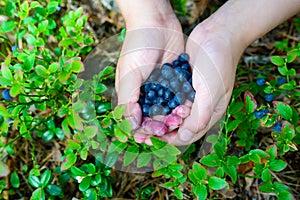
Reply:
x=14 y=48
x=159 y=101
x=173 y=103
x=186 y=87
x=148 y=101
x=168 y=94
x=175 y=84
x=186 y=66
x=190 y=80
x=167 y=72
x=167 y=64
x=154 y=86
x=181 y=72
x=183 y=57
x=6 y=95
x=58 y=8
x=151 y=94
x=260 y=113
x=156 y=110
x=180 y=97
x=146 y=87
x=141 y=100
x=191 y=96
x=277 y=127
x=145 y=110
x=161 y=92
x=260 y=81
x=167 y=110
x=281 y=80
x=176 y=63
x=269 y=97
x=165 y=83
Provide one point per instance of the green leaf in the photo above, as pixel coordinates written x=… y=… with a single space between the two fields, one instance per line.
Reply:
x=178 y=193
x=38 y=194
x=10 y=8
x=199 y=171
x=211 y=160
x=48 y=135
x=216 y=183
x=69 y=161
x=90 y=167
x=283 y=70
x=64 y=76
x=111 y=159
x=34 y=181
x=285 y=195
x=143 y=159
x=272 y=151
x=90 y=131
x=158 y=143
x=29 y=62
x=8 y=26
x=6 y=73
x=130 y=155
x=266 y=187
x=236 y=107
x=77 y=172
x=45 y=178
x=83 y=153
x=266 y=175
x=250 y=102
x=85 y=183
x=277 y=165
x=277 y=60
x=125 y=126
x=291 y=56
x=96 y=180
x=51 y=7
x=53 y=67
x=41 y=70
x=286 y=86
x=100 y=88
x=219 y=150
x=30 y=39
x=233 y=160
x=14 y=179
x=284 y=110
x=232 y=125
x=231 y=171
x=54 y=190
x=15 y=90
x=118 y=111
x=200 y=191
x=77 y=67
x=117 y=146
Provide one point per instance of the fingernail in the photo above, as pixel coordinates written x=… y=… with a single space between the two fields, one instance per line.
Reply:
x=186 y=135
x=133 y=121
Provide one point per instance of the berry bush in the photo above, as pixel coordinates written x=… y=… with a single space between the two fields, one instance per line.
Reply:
x=61 y=138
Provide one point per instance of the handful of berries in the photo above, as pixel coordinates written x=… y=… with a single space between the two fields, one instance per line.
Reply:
x=166 y=97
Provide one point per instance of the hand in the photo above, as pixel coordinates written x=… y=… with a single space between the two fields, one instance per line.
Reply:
x=146 y=46
x=214 y=58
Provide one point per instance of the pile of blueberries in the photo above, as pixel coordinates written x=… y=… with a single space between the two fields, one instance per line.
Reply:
x=167 y=87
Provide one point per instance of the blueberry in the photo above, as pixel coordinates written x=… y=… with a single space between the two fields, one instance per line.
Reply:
x=159 y=101
x=269 y=97
x=154 y=86
x=154 y=75
x=191 y=80
x=167 y=72
x=14 y=48
x=182 y=72
x=58 y=8
x=186 y=87
x=281 y=80
x=167 y=64
x=183 y=57
x=165 y=83
x=146 y=87
x=191 y=96
x=277 y=127
x=260 y=113
x=145 y=110
x=173 y=103
x=175 y=84
x=148 y=101
x=167 y=110
x=151 y=94
x=168 y=94
x=176 y=63
x=180 y=97
x=161 y=92
x=186 y=66
x=156 y=110
x=141 y=100
x=6 y=95
x=260 y=81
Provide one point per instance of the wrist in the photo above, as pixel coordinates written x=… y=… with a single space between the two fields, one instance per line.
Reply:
x=147 y=13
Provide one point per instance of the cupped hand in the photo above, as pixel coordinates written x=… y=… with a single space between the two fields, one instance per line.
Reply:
x=145 y=47
x=213 y=57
